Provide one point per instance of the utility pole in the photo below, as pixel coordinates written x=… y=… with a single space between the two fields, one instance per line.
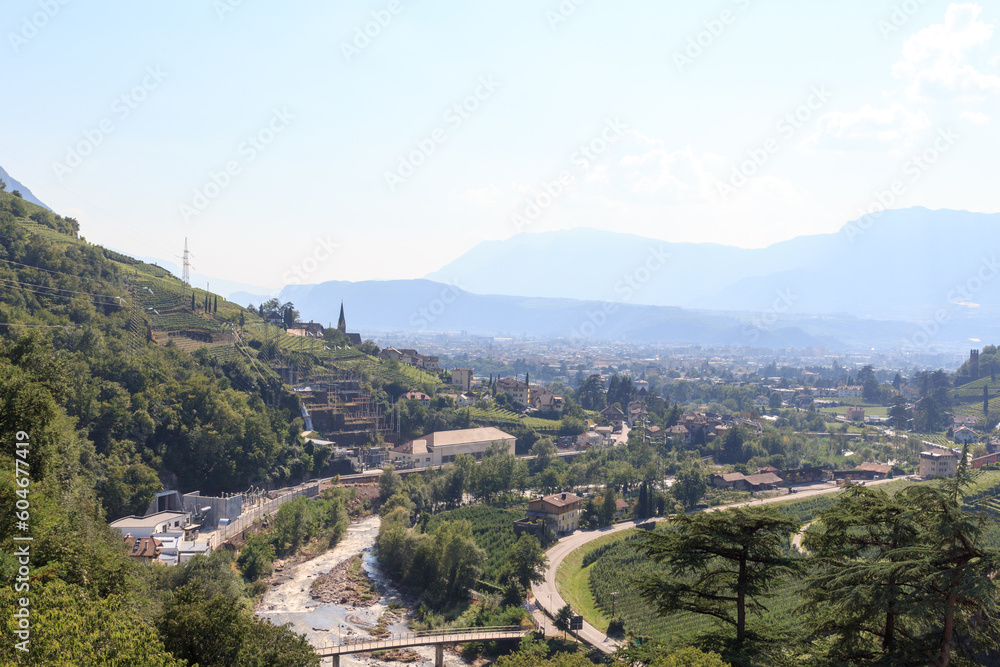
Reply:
x=186 y=274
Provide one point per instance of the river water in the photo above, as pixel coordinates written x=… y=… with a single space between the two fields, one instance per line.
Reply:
x=289 y=601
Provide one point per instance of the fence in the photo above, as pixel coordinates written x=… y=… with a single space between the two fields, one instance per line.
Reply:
x=247 y=519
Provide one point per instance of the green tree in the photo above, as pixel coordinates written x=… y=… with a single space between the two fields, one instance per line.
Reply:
x=721 y=564
x=898 y=413
x=864 y=587
x=606 y=514
x=221 y=632
x=256 y=557
x=526 y=561
x=956 y=569
x=732 y=446
x=563 y=618
x=389 y=483
x=591 y=393
x=689 y=486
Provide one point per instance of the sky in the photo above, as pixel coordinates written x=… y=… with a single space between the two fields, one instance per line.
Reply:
x=309 y=141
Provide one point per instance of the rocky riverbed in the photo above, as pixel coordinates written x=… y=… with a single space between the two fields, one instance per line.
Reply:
x=290 y=600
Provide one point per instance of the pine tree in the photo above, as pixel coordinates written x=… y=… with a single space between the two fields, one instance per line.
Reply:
x=720 y=564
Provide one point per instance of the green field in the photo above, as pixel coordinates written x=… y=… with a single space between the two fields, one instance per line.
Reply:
x=499 y=416
x=870 y=411
x=588 y=587
x=492 y=529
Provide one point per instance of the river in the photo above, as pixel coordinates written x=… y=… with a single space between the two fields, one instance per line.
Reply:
x=290 y=602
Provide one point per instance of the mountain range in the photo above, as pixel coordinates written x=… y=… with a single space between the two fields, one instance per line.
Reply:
x=14 y=184
x=903 y=264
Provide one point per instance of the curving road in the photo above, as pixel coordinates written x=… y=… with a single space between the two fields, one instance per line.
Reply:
x=547 y=596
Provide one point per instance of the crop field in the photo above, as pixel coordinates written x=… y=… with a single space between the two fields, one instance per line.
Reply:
x=611 y=564
x=492 y=529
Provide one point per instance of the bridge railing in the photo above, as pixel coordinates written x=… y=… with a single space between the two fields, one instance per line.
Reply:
x=473 y=634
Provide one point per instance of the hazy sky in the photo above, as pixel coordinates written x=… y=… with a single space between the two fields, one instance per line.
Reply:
x=290 y=146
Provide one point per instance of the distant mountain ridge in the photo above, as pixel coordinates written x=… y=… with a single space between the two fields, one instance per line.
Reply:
x=14 y=184
x=423 y=305
x=903 y=264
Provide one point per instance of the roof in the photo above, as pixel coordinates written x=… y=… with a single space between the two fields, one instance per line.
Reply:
x=143 y=547
x=418 y=446
x=732 y=476
x=148 y=521
x=560 y=499
x=763 y=478
x=880 y=468
x=450 y=438
x=621 y=504
x=938 y=453
x=466 y=435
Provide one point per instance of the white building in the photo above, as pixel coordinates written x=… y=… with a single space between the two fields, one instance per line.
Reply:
x=443 y=447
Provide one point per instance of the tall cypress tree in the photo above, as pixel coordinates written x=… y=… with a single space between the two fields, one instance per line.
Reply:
x=192 y=302
x=215 y=304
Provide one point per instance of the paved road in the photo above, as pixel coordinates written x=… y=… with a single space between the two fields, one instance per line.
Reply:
x=547 y=595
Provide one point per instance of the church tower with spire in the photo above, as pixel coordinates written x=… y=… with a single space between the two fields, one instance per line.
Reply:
x=342 y=323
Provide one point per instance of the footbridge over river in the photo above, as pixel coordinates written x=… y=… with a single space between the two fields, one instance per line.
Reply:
x=435 y=638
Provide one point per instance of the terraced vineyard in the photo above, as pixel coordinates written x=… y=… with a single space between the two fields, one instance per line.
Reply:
x=969 y=397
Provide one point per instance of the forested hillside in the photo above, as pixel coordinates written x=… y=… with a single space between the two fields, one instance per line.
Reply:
x=94 y=418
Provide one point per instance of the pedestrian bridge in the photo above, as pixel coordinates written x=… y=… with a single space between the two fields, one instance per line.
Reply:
x=435 y=638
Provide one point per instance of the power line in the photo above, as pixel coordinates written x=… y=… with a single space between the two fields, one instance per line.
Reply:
x=58 y=273
x=33 y=287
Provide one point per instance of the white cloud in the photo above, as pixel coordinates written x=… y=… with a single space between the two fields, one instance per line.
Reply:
x=935 y=60
x=868 y=129
x=976 y=117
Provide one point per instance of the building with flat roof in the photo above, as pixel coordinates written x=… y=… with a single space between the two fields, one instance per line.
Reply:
x=939 y=463
x=152 y=524
x=442 y=447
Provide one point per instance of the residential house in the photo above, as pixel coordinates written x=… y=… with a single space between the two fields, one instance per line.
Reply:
x=969 y=421
x=938 y=462
x=560 y=511
x=613 y=414
x=849 y=391
x=462 y=378
x=418 y=396
x=855 y=414
x=546 y=401
x=516 y=390
x=307 y=329
x=965 y=435
x=621 y=507
x=637 y=413
x=143 y=549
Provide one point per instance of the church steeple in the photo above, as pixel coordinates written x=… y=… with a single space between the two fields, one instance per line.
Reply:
x=342 y=323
